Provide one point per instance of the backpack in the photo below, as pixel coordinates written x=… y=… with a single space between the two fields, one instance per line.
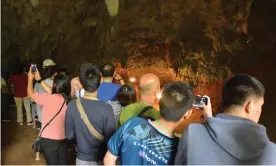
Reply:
x=144 y=110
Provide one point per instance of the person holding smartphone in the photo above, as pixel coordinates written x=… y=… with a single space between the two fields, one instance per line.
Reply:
x=48 y=73
x=234 y=136
x=54 y=106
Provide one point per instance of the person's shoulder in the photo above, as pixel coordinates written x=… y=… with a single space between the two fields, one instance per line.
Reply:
x=75 y=79
x=138 y=105
x=71 y=106
x=136 y=121
x=100 y=104
x=116 y=85
x=114 y=103
x=72 y=103
x=193 y=126
x=273 y=146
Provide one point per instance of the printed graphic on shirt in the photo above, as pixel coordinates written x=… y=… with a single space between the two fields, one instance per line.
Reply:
x=144 y=144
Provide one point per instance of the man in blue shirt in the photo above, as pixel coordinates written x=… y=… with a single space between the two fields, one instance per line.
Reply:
x=145 y=142
x=108 y=90
x=233 y=137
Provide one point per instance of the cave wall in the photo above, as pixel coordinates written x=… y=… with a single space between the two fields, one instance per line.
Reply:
x=194 y=37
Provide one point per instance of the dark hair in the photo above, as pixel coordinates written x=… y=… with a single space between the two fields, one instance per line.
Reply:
x=90 y=77
x=17 y=68
x=177 y=98
x=107 y=70
x=62 y=85
x=239 y=88
x=48 y=72
x=126 y=95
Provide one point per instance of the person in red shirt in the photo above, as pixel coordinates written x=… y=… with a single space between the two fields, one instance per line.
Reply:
x=19 y=81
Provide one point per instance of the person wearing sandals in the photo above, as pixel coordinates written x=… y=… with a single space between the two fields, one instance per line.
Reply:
x=54 y=104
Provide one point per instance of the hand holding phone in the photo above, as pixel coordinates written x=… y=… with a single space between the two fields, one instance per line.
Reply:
x=198 y=101
x=33 y=67
x=203 y=103
x=207 y=108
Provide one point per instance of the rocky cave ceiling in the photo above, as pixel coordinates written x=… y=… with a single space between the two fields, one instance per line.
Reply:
x=209 y=37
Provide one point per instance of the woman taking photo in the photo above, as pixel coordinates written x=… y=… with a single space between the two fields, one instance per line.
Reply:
x=54 y=105
x=48 y=73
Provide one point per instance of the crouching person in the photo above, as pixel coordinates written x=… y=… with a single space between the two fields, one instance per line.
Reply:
x=145 y=142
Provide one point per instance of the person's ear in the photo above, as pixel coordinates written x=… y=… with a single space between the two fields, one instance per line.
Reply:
x=248 y=107
x=188 y=114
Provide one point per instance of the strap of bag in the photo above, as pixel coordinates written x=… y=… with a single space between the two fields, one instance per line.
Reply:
x=144 y=110
x=86 y=121
x=51 y=119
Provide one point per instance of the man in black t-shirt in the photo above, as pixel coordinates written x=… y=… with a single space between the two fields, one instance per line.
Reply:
x=90 y=150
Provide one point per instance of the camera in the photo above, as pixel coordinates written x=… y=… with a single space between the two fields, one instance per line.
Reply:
x=33 y=67
x=198 y=100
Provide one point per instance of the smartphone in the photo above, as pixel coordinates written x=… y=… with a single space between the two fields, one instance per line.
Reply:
x=198 y=100
x=33 y=67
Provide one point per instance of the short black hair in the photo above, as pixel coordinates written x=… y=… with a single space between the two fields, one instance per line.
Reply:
x=177 y=98
x=90 y=77
x=48 y=72
x=239 y=88
x=62 y=85
x=108 y=70
x=126 y=95
x=17 y=68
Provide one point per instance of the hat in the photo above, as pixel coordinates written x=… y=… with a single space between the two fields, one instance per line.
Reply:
x=48 y=62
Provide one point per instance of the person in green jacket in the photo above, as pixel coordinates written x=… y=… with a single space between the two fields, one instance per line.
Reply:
x=149 y=88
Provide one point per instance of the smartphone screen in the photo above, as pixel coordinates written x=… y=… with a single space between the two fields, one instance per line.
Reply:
x=33 y=67
x=198 y=100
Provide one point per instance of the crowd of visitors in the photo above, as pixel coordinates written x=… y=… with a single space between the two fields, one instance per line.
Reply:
x=112 y=122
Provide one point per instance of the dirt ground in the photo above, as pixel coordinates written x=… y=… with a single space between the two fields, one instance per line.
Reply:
x=16 y=143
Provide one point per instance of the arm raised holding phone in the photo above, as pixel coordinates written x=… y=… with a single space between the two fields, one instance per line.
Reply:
x=45 y=86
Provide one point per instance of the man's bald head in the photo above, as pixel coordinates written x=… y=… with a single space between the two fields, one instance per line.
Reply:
x=149 y=84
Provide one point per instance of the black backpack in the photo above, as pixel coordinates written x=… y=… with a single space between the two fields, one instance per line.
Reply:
x=144 y=110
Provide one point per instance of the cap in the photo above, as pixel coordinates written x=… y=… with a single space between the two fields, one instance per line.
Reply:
x=48 y=62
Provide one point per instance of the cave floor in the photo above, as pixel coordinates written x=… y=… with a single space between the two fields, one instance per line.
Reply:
x=16 y=142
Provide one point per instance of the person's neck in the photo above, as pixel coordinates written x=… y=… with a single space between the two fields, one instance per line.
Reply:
x=148 y=99
x=90 y=95
x=235 y=112
x=107 y=79
x=165 y=127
